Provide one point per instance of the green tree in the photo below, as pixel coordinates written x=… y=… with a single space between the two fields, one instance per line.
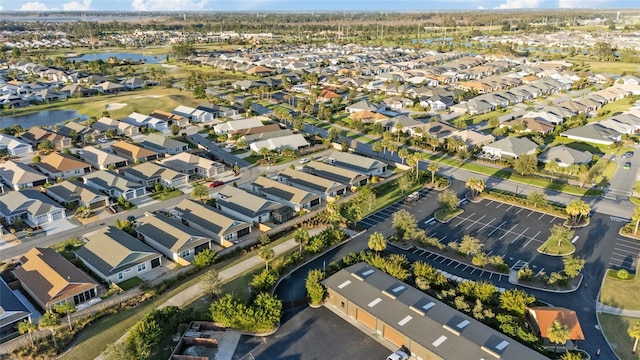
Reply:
x=516 y=301
x=367 y=196
x=66 y=308
x=536 y=199
x=476 y=186
x=433 y=167
x=377 y=242
x=470 y=245
x=175 y=129
x=578 y=210
x=448 y=200
x=552 y=167
x=27 y=327
x=266 y=254
x=525 y=165
x=315 y=289
x=211 y=283
x=403 y=154
x=404 y=183
x=50 y=320
x=572 y=265
x=404 y=223
x=205 y=258
x=635 y=218
x=571 y=356
x=558 y=334
x=561 y=233
x=334 y=133
x=46 y=146
x=634 y=332
x=302 y=237
x=200 y=192
x=334 y=212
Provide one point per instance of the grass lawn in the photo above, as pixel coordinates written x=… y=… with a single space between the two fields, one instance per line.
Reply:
x=551 y=247
x=612 y=67
x=613 y=107
x=582 y=146
x=635 y=200
x=443 y=215
x=615 y=328
x=621 y=293
x=131 y=283
x=161 y=195
x=387 y=194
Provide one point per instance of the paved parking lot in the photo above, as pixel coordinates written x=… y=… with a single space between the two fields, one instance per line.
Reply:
x=625 y=254
x=425 y=195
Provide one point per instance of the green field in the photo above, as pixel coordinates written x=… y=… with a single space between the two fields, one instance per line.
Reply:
x=615 y=328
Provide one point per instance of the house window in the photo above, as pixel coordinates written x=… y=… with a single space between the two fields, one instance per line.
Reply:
x=185 y=253
x=142 y=267
x=120 y=276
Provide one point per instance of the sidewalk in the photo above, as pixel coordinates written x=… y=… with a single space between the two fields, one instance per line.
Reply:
x=616 y=311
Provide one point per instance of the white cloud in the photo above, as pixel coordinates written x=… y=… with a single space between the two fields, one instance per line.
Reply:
x=85 y=5
x=1 y=8
x=580 y=3
x=521 y=4
x=481 y=7
x=34 y=6
x=168 y=5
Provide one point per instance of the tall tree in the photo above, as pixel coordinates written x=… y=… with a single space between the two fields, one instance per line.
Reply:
x=572 y=265
x=404 y=183
x=433 y=168
x=302 y=237
x=448 y=200
x=404 y=223
x=578 y=210
x=377 y=242
x=536 y=199
x=50 y=320
x=525 y=164
x=476 y=186
x=516 y=301
x=211 y=283
x=636 y=219
x=634 y=332
x=66 y=308
x=266 y=254
x=403 y=154
x=27 y=327
x=199 y=191
x=558 y=334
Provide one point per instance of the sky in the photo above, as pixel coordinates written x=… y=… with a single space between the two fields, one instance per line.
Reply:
x=303 y=5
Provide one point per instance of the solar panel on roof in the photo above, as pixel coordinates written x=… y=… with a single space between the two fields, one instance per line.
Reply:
x=502 y=345
x=398 y=289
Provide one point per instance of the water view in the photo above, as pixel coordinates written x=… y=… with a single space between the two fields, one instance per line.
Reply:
x=42 y=118
x=148 y=59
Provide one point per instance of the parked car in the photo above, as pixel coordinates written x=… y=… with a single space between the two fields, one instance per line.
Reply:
x=216 y=184
x=398 y=355
x=304 y=160
x=627 y=155
x=102 y=140
x=627 y=166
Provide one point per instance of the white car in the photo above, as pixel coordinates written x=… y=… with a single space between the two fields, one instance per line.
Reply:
x=304 y=160
x=398 y=355
x=102 y=140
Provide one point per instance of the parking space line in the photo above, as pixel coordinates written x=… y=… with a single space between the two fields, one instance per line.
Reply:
x=626 y=240
x=428 y=256
x=422 y=253
x=474 y=270
x=509 y=208
x=508 y=232
x=482 y=273
x=487 y=224
x=500 y=204
x=465 y=268
x=490 y=202
x=519 y=236
x=541 y=216
x=444 y=238
x=450 y=262
x=475 y=222
x=519 y=211
x=457 y=265
x=490 y=276
x=436 y=258
x=628 y=246
x=494 y=230
x=443 y=260
x=527 y=243
x=416 y=250
x=530 y=213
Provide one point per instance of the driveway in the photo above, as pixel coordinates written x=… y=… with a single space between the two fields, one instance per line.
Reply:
x=624 y=179
x=58 y=226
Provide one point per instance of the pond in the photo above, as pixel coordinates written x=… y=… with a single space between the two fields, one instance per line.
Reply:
x=147 y=59
x=42 y=118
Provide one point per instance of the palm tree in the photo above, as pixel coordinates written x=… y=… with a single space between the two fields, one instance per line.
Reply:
x=199 y=191
x=558 y=334
x=403 y=154
x=27 y=327
x=377 y=242
x=50 y=320
x=267 y=254
x=636 y=218
x=476 y=186
x=433 y=167
x=634 y=332
x=302 y=237
x=417 y=157
x=66 y=308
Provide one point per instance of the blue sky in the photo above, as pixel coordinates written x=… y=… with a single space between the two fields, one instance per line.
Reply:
x=303 y=5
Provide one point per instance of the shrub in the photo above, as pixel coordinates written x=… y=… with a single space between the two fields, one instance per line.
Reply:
x=204 y=258
x=315 y=290
x=264 y=281
x=261 y=315
x=622 y=274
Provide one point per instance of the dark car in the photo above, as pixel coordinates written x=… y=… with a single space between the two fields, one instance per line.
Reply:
x=627 y=166
x=216 y=184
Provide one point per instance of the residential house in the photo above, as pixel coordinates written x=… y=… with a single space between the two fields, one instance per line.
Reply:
x=294 y=141
x=361 y=164
x=541 y=317
x=473 y=139
x=19 y=176
x=163 y=145
x=367 y=116
x=147 y=122
x=622 y=128
x=13 y=146
x=32 y=206
x=75 y=130
x=406 y=124
x=105 y=125
x=248 y=207
x=363 y=105
x=511 y=147
x=108 y=87
x=115 y=256
x=170 y=118
x=291 y=196
x=237 y=125
x=249 y=139
x=75 y=193
x=565 y=156
x=114 y=185
x=133 y=153
x=325 y=188
x=101 y=159
x=224 y=230
x=193 y=114
x=351 y=178
x=218 y=111
x=77 y=90
x=193 y=165
x=258 y=130
x=134 y=83
x=12 y=310
x=50 y=279
x=528 y=125
x=35 y=135
x=172 y=238
x=150 y=174
x=62 y=166
x=397 y=102
x=593 y=133
x=47 y=95
x=437 y=129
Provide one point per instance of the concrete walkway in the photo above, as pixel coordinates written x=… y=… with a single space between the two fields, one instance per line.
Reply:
x=616 y=311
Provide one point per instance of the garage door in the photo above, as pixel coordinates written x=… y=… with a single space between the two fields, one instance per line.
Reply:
x=393 y=336
x=57 y=215
x=365 y=318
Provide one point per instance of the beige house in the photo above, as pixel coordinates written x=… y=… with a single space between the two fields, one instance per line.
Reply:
x=62 y=166
x=191 y=165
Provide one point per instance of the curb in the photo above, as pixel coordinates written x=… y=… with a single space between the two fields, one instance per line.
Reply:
x=553 y=291
x=604 y=335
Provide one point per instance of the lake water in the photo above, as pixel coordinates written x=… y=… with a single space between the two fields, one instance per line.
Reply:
x=148 y=59
x=42 y=118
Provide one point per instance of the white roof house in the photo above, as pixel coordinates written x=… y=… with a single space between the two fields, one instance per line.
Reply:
x=13 y=146
x=193 y=114
x=235 y=125
x=511 y=147
x=295 y=141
